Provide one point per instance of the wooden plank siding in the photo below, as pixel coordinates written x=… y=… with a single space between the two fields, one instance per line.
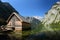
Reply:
x=26 y=26
x=15 y=22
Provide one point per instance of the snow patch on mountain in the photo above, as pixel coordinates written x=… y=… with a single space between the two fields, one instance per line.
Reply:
x=38 y=17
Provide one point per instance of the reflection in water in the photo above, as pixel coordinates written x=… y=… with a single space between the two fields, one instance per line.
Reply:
x=4 y=37
x=41 y=36
x=45 y=36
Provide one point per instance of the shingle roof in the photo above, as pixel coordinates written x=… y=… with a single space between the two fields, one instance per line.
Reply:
x=24 y=19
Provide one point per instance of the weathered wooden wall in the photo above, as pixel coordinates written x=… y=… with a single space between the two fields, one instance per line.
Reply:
x=15 y=22
x=26 y=26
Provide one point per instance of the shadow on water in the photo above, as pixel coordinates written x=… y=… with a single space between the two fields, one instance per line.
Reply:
x=4 y=37
x=45 y=36
x=7 y=36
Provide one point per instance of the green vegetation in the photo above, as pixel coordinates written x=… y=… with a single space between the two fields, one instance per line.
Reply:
x=26 y=33
x=37 y=29
x=55 y=26
x=40 y=28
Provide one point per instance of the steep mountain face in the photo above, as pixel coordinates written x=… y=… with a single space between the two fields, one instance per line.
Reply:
x=34 y=22
x=52 y=16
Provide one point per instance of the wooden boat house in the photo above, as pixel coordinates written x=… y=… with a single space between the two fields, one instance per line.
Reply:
x=10 y=19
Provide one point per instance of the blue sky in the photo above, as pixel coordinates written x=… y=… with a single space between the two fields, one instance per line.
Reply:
x=32 y=7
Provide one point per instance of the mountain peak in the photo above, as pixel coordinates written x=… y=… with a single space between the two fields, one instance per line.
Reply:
x=38 y=17
x=58 y=2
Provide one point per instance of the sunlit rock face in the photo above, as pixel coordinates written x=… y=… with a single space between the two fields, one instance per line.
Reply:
x=53 y=15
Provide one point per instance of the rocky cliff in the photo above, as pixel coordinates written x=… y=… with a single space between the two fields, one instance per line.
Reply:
x=52 y=16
